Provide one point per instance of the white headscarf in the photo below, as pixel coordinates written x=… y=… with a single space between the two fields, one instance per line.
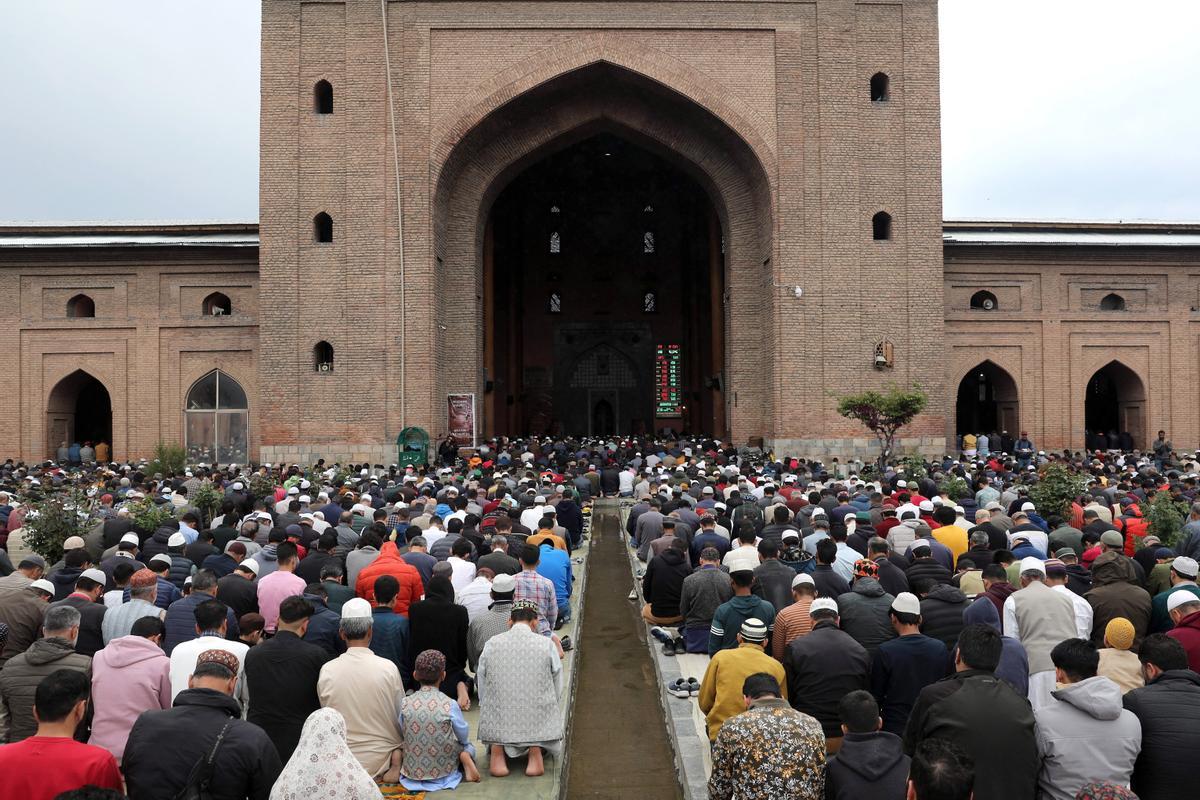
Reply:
x=322 y=767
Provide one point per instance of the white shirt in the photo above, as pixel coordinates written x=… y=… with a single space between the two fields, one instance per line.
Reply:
x=183 y=663
x=1083 y=612
x=531 y=515
x=625 y=481
x=476 y=596
x=741 y=557
x=431 y=535
x=463 y=574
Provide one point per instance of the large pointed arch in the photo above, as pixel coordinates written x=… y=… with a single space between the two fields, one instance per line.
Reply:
x=988 y=401
x=602 y=97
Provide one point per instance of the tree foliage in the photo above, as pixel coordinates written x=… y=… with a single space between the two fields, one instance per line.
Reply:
x=1166 y=517
x=884 y=413
x=207 y=499
x=954 y=487
x=54 y=520
x=169 y=459
x=148 y=516
x=1056 y=488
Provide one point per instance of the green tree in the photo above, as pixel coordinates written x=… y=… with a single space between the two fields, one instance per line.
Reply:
x=884 y=414
x=1166 y=517
x=169 y=459
x=54 y=520
x=1056 y=488
x=207 y=499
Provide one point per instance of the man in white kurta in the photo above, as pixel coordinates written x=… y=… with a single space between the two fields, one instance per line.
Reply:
x=519 y=679
x=367 y=690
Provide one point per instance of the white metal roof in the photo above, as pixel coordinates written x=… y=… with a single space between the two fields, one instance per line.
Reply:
x=131 y=240
x=1075 y=238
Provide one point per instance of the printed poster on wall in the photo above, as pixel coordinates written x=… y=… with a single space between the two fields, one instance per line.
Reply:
x=461 y=414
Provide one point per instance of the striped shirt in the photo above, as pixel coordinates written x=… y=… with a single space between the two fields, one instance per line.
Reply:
x=791 y=623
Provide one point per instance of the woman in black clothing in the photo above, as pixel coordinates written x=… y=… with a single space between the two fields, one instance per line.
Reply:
x=437 y=623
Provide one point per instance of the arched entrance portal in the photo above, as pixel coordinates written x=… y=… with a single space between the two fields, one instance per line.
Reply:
x=987 y=402
x=601 y=258
x=1114 y=408
x=79 y=410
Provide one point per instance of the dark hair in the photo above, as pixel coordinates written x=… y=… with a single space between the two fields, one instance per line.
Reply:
x=250 y=622
x=994 y=572
x=386 y=589
x=710 y=554
x=286 y=552
x=878 y=545
x=294 y=608
x=212 y=669
x=979 y=647
x=945 y=515
x=460 y=548
x=327 y=540
x=826 y=551
x=904 y=618
x=90 y=792
x=210 y=614
x=942 y=770
x=1078 y=658
x=760 y=684
x=58 y=692
x=767 y=548
x=75 y=558
x=922 y=586
x=742 y=577
x=530 y=555
x=316 y=589
x=276 y=536
x=368 y=538
x=204 y=580
x=146 y=627
x=1163 y=652
x=523 y=614
x=859 y=712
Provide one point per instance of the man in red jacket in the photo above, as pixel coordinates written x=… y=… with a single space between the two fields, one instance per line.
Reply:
x=390 y=563
x=1184 y=609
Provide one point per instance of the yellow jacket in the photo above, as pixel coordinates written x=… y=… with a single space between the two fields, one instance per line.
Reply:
x=721 y=690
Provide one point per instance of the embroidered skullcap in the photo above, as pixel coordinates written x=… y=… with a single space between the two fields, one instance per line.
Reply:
x=865 y=568
x=429 y=665
x=222 y=657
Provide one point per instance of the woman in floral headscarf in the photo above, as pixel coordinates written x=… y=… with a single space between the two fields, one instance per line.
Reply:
x=322 y=767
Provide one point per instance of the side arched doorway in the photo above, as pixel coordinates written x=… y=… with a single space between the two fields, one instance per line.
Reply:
x=987 y=402
x=692 y=210
x=78 y=410
x=1114 y=408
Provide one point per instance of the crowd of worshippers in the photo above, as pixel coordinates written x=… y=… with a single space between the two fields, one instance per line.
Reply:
x=324 y=640
x=864 y=635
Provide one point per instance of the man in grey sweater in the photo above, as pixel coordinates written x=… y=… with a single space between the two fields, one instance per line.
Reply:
x=703 y=593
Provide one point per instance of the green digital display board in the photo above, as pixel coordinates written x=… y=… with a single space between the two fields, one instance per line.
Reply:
x=668 y=365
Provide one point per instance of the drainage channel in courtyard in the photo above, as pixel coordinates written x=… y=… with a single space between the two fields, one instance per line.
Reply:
x=619 y=746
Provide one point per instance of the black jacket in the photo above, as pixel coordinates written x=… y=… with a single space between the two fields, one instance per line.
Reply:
x=221 y=564
x=773 y=583
x=500 y=563
x=310 y=566
x=92 y=620
x=114 y=528
x=991 y=721
x=282 y=673
x=164 y=745
x=979 y=556
x=238 y=593
x=156 y=544
x=64 y=581
x=662 y=585
x=942 y=614
x=1168 y=708
x=198 y=551
x=927 y=568
x=997 y=537
x=822 y=668
x=891 y=578
x=323 y=627
x=868 y=765
x=829 y=583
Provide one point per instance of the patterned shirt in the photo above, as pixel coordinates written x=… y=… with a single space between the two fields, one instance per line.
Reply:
x=486 y=625
x=768 y=752
x=538 y=589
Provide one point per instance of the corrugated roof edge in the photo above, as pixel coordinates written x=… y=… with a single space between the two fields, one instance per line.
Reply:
x=19 y=228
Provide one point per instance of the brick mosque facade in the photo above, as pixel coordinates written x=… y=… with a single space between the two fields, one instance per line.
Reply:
x=527 y=202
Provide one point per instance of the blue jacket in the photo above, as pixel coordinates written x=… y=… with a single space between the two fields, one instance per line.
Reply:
x=555 y=564
x=389 y=637
x=181 y=620
x=323 y=627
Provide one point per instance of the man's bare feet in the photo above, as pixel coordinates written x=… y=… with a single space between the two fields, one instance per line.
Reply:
x=464 y=697
x=536 y=765
x=498 y=764
x=470 y=773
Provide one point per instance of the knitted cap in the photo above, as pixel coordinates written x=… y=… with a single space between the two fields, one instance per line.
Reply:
x=142 y=578
x=1119 y=633
x=754 y=630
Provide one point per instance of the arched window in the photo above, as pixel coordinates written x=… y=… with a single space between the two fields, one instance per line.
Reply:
x=555 y=243
x=81 y=306
x=323 y=357
x=881 y=226
x=555 y=305
x=1112 y=302
x=879 y=87
x=649 y=302
x=323 y=97
x=217 y=305
x=215 y=414
x=984 y=301
x=323 y=228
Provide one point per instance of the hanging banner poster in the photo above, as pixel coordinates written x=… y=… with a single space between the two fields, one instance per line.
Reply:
x=461 y=416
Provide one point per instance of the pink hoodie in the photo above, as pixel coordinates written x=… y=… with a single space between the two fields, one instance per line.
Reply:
x=131 y=675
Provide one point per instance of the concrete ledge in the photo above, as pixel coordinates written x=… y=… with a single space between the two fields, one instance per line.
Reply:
x=688 y=740
x=865 y=449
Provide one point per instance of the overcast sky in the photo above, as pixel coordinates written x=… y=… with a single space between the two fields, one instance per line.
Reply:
x=148 y=109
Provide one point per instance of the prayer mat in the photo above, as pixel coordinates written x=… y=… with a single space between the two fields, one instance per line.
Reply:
x=395 y=791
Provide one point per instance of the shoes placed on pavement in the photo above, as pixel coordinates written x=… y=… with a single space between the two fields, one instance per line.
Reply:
x=660 y=633
x=693 y=687
x=680 y=647
x=679 y=688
